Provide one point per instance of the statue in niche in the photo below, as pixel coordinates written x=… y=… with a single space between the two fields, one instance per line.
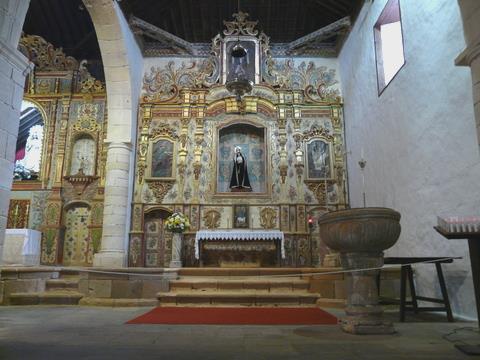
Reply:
x=239 y=180
x=83 y=162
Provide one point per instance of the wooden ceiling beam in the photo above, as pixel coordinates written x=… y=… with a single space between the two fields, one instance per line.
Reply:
x=330 y=7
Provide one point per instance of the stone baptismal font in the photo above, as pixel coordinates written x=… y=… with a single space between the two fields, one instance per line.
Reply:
x=360 y=236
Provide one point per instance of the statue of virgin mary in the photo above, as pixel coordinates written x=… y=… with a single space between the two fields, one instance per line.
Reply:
x=239 y=180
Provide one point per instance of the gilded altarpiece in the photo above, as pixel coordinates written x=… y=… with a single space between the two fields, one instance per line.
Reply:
x=66 y=200
x=294 y=105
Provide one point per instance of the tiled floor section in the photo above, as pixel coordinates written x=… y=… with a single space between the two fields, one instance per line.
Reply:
x=47 y=332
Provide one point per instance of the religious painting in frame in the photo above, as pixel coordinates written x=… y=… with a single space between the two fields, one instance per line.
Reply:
x=319 y=158
x=240 y=216
x=249 y=66
x=162 y=158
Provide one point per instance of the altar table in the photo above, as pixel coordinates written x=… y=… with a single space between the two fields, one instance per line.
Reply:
x=21 y=247
x=239 y=235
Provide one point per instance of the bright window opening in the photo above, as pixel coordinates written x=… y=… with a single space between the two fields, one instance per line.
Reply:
x=388 y=44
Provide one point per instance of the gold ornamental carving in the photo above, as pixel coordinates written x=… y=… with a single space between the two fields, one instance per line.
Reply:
x=211 y=219
x=318 y=189
x=160 y=188
x=163 y=130
x=79 y=186
x=240 y=26
x=268 y=218
x=44 y=55
x=316 y=131
x=87 y=119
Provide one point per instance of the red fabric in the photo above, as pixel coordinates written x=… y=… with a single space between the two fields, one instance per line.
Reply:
x=235 y=316
x=20 y=154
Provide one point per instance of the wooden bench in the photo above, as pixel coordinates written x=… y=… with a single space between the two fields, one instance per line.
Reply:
x=407 y=274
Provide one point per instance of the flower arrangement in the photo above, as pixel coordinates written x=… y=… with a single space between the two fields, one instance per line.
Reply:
x=177 y=223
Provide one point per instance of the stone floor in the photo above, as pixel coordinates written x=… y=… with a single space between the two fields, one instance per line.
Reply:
x=44 y=332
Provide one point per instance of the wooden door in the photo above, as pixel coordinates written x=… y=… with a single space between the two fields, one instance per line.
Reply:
x=154 y=242
x=77 y=249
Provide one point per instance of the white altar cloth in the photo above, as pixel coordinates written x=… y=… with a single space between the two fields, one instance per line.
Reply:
x=240 y=235
x=21 y=247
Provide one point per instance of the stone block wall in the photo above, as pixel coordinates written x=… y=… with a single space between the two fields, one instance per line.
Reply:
x=128 y=285
x=23 y=280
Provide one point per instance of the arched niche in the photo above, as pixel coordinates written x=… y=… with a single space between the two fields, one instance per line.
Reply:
x=30 y=140
x=84 y=149
x=252 y=140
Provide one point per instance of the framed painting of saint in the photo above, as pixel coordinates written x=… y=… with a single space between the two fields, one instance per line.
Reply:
x=162 y=159
x=240 y=216
x=319 y=159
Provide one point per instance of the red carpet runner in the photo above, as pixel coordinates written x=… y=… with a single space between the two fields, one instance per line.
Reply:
x=235 y=316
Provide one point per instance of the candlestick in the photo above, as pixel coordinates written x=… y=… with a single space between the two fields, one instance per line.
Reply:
x=362 y=163
x=326 y=193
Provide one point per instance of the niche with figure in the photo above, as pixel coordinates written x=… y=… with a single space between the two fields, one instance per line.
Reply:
x=83 y=156
x=28 y=155
x=241 y=164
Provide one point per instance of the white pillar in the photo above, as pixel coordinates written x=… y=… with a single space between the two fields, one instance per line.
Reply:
x=13 y=69
x=470 y=10
x=116 y=208
x=123 y=65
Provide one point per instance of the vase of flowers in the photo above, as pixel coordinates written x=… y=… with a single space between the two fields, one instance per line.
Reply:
x=177 y=224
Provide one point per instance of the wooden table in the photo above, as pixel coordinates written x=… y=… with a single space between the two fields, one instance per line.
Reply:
x=474 y=250
x=407 y=274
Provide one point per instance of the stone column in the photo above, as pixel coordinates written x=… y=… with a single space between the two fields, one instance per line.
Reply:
x=123 y=66
x=13 y=69
x=115 y=213
x=470 y=10
x=364 y=314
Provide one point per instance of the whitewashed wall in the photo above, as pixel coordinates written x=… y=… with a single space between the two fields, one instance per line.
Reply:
x=418 y=137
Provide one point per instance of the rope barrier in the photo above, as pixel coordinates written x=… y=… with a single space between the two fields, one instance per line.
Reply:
x=336 y=272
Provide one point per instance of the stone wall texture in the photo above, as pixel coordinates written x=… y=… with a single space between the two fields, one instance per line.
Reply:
x=13 y=68
x=418 y=137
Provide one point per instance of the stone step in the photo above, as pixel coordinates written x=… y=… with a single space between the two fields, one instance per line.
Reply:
x=69 y=274
x=236 y=298
x=210 y=271
x=122 y=302
x=331 y=303
x=62 y=284
x=46 y=298
x=270 y=285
